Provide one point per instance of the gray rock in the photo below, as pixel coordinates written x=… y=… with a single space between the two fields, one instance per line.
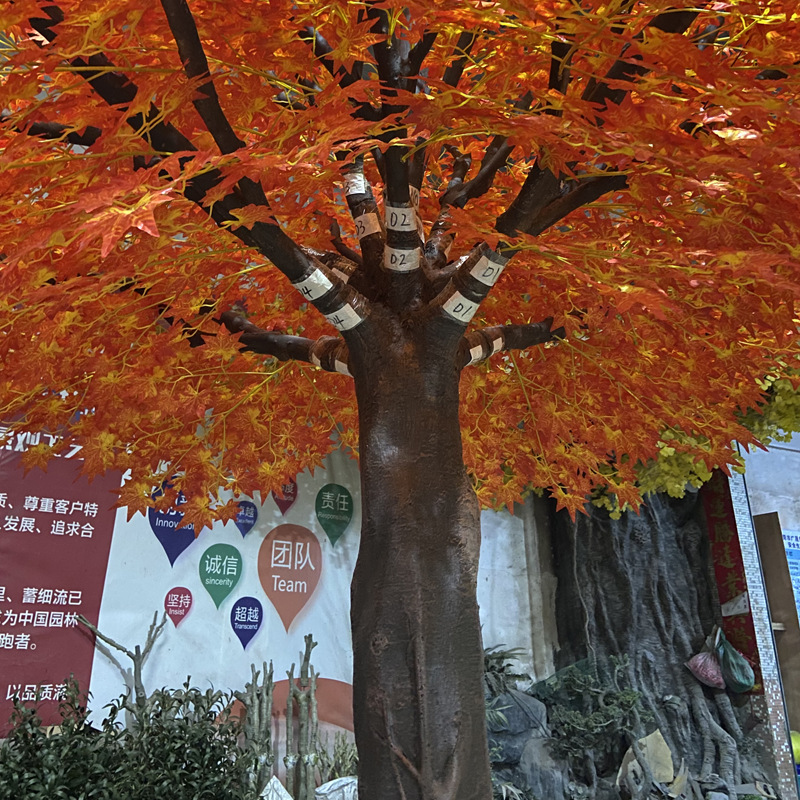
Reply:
x=713 y=783
x=540 y=773
x=507 y=748
x=522 y=713
x=716 y=796
x=606 y=790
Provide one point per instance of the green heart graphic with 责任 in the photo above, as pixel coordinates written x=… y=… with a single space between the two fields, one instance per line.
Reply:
x=334 y=507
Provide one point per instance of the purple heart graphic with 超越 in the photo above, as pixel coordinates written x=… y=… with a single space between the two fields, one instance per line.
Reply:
x=164 y=525
x=246 y=617
x=246 y=516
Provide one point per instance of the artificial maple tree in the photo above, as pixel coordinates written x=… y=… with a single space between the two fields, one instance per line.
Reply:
x=236 y=236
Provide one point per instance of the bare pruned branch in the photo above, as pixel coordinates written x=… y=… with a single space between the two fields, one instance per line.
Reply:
x=328 y=352
x=138 y=655
x=480 y=345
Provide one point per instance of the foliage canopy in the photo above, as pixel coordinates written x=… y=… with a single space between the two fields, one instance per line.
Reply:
x=638 y=159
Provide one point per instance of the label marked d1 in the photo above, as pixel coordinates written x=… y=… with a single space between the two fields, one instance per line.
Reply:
x=220 y=570
x=459 y=308
x=289 y=568
x=334 y=507
x=247 y=615
x=177 y=604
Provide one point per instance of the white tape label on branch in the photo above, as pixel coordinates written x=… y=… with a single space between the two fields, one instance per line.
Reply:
x=401 y=218
x=355 y=183
x=315 y=361
x=459 y=308
x=344 y=318
x=367 y=224
x=413 y=194
x=341 y=367
x=400 y=260
x=488 y=268
x=497 y=345
x=476 y=354
x=314 y=286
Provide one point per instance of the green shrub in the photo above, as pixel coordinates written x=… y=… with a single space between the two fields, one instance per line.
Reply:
x=175 y=748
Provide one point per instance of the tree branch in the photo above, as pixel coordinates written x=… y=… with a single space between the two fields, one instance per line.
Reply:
x=599 y=91
x=195 y=64
x=364 y=211
x=419 y=52
x=480 y=345
x=328 y=352
x=350 y=259
x=539 y=189
x=321 y=50
x=587 y=191
x=452 y=75
x=559 y=65
x=341 y=304
x=454 y=71
x=477 y=273
x=116 y=90
x=440 y=240
x=53 y=130
x=545 y=198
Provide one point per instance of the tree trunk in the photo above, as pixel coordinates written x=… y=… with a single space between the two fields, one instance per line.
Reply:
x=643 y=588
x=418 y=659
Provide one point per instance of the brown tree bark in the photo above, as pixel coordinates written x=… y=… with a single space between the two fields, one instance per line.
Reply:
x=643 y=588
x=418 y=659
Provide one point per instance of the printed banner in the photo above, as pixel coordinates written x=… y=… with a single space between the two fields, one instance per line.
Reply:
x=726 y=554
x=236 y=596
x=55 y=534
x=791 y=542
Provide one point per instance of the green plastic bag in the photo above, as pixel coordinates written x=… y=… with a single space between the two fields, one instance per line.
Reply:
x=736 y=672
